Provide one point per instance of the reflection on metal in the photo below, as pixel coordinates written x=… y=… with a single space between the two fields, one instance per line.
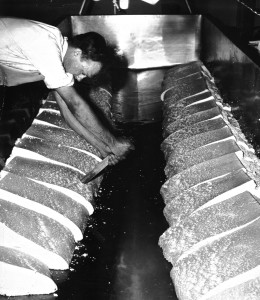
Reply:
x=138 y=100
x=147 y=41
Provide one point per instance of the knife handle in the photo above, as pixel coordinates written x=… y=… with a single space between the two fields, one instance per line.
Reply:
x=95 y=171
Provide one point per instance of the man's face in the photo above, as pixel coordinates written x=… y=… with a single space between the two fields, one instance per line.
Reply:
x=81 y=67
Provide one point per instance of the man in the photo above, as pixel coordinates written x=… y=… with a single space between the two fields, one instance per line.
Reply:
x=31 y=51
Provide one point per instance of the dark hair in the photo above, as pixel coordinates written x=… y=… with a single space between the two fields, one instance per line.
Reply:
x=92 y=44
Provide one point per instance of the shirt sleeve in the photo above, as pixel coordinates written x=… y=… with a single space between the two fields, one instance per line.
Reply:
x=45 y=54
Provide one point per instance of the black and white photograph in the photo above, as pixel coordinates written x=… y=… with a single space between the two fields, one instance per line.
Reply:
x=129 y=149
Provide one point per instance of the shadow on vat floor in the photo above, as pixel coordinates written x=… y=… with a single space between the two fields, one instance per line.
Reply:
x=119 y=257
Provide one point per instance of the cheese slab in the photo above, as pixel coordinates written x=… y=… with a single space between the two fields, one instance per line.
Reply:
x=218 y=217
x=183 y=205
x=35 y=234
x=171 y=146
x=22 y=274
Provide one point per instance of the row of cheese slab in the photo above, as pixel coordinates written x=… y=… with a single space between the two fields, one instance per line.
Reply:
x=211 y=196
x=44 y=206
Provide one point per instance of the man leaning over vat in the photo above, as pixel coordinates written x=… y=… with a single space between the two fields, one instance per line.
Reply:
x=33 y=51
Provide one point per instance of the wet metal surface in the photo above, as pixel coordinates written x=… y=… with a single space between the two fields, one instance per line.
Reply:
x=147 y=41
x=138 y=97
x=119 y=257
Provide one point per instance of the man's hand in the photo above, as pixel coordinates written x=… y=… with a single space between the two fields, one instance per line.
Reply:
x=120 y=150
x=82 y=119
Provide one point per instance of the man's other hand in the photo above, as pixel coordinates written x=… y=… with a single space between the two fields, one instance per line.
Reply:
x=120 y=150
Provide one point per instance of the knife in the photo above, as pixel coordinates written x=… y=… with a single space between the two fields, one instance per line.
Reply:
x=95 y=171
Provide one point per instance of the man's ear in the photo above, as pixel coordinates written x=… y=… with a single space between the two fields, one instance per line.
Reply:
x=77 y=51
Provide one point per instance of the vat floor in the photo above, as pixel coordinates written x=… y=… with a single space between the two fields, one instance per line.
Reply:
x=119 y=257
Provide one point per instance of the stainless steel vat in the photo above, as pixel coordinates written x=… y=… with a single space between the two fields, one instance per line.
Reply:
x=147 y=42
x=236 y=74
x=156 y=42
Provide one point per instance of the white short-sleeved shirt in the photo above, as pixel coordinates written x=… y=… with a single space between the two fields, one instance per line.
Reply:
x=32 y=51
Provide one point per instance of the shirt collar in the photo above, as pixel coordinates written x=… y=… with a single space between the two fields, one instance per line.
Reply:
x=65 y=47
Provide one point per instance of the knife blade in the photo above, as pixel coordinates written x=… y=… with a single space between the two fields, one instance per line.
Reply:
x=95 y=171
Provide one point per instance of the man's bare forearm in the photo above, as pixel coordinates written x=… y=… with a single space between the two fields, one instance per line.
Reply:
x=77 y=127
x=84 y=114
x=91 y=124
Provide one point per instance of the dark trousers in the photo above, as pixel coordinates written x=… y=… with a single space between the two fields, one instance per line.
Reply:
x=2 y=99
x=18 y=107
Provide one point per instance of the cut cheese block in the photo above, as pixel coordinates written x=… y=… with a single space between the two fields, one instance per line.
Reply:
x=44 y=210
x=212 y=203
x=189 y=120
x=22 y=274
x=184 y=90
x=101 y=98
x=217 y=218
x=50 y=173
x=202 y=172
x=239 y=289
x=170 y=81
x=36 y=235
x=51 y=104
x=227 y=260
x=179 y=114
x=186 y=102
x=176 y=164
x=76 y=209
x=53 y=117
x=58 y=135
x=181 y=103
x=172 y=77
x=197 y=128
x=184 y=204
x=82 y=160
x=171 y=147
x=184 y=70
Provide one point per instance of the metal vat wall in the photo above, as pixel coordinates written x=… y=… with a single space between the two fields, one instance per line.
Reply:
x=147 y=41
